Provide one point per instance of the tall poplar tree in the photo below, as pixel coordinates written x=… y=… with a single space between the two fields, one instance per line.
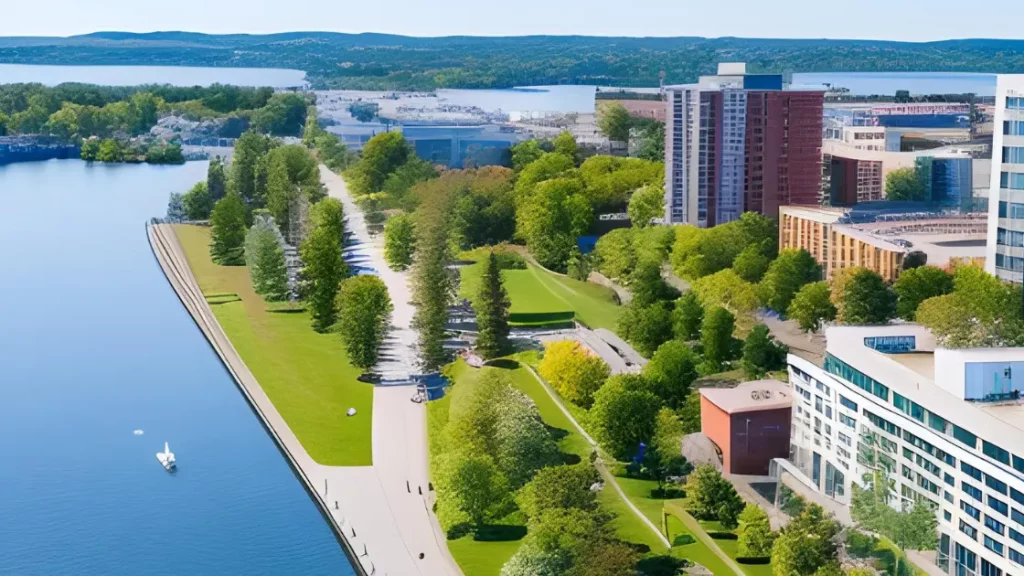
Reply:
x=227 y=234
x=323 y=267
x=492 y=306
x=216 y=180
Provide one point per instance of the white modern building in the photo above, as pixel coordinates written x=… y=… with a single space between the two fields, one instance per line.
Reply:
x=946 y=425
x=1005 y=255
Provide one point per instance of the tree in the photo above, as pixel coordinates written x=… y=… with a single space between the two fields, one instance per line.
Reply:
x=197 y=202
x=623 y=417
x=283 y=115
x=555 y=215
x=712 y=497
x=472 y=485
x=399 y=241
x=227 y=232
x=786 y=275
x=865 y=299
x=914 y=529
x=176 y=208
x=756 y=536
x=646 y=327
x=811 y=306
x=716 y=337
x=606 y=557
x=665 y=456
x=248 y=154
x=903 y=184
x=613 y=121
x=687 y=317
x=525 y=153
x=565 y=143
x=323 y=268
x=670 y=372
x=689 y=414
x=647 y=285
x=761 y=353
x=110 y=151
x=264 y=255
x=914 y=259
x=573 y=371
x=726 y=289
x=90 y=149
x=216 y=180
x=433 y=284
x=982 y=311
x=492 y=311
x=312 y=130
x=614 y=254
x=646 y=204
x=902 y=96
x=806 y=543
x=364 y=308
x=566 y=486
x=917 y=285
x=532 y=561
x=524 y=444
x=382 y=155
x=751 y=264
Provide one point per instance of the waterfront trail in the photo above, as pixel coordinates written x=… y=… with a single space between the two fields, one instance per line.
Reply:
x=385 y=525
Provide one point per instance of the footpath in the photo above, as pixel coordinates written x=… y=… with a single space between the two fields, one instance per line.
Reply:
x=383 y=522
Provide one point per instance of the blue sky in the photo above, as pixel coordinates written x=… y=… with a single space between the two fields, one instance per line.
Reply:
x=875 y=19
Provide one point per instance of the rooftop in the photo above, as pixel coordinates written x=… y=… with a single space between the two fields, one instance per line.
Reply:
x=750 y=396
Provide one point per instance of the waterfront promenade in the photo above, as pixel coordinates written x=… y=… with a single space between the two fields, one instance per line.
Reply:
x=386 y=525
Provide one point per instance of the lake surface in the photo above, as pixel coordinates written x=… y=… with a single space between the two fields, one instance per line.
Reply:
x=869 y=83
x=135 y=75
x=94 y=344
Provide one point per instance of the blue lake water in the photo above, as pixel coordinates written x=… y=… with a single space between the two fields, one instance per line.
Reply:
x=135 y=75
x=93 y=345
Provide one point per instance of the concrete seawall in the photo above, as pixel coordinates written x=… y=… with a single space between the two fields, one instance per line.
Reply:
x=171 y=258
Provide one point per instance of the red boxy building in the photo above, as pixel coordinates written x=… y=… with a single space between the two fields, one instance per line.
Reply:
x=750 y=424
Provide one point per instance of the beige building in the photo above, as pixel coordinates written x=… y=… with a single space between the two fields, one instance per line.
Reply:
x=836 y=243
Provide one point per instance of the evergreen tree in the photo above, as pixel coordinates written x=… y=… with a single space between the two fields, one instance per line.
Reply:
x=492 y=311
x=264 y=255
x=716 y=337
x=761 y=353
x=432 y=283
x=227 y=235
x=216 y=180
x=323 y=268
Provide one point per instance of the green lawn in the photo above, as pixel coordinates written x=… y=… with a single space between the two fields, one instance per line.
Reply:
x=540 y=298
x=306 y=375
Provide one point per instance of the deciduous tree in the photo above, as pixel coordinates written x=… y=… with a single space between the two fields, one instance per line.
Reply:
x=323 y=267
x=712 y=497
x=227 y=232
x=614 y=122
x=264 y=255
x=573 y=371
x=756 y=536
x=761 y=353
x=523 y=443
x=806 y=543
x=904 y=184
x=811 y=306
x=670 y=372
x=197 y=202
x=364 y=308
x=786 y=275
x=399 y=241
x=687 y=317
x=646 y=327
x=646 y=204
x=248 y=154
x=716 y=337
x=566 y=486
x=917 y=285
x=176 y=208
x=623 y=417
x=865 y=299
x=216 y=180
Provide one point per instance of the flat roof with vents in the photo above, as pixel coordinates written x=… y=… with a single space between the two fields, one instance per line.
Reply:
x=751 y=396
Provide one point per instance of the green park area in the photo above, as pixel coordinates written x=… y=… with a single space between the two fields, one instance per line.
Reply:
x=542 y=298
x=306 y=375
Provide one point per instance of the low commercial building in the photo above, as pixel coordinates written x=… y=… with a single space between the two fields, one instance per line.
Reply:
x=946 y=427
x=879 y=235
x=749 y=424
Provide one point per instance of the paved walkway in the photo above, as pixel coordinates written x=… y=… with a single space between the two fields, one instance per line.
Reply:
x=385 y=526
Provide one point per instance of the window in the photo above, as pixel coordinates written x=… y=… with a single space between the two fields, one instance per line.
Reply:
x=937 y=422
x=1013 y=154
x=998 y=505
x=994 y=525
x=843 y=418
x=839 y=368
x=965 y=437
x=994 y=546
x=1013 y=128
x=971 y=490
x=828 y=411
x=970 y=470
x=995 y=484
x=970 y=510
x=845 y=439
x=1011 y=180
x=969 y=530
x=1018 y=463
x=1006 y=237
x=847 y=403
x=948 y=496
x=995 y=452
x=883 y=424
x=1017 y=536
x=817 y=403
x=948 y=479
x=1016 y=557
x=1013 y=103
x=1017 y=496
x=947 y=516
x=1017 y=517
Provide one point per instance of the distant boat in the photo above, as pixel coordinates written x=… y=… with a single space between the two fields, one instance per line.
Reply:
x=166 y=458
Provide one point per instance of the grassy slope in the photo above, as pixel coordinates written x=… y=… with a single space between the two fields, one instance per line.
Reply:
x=539 y=296
x=305 y=374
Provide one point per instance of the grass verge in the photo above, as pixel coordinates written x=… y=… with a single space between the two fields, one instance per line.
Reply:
x=306 y=375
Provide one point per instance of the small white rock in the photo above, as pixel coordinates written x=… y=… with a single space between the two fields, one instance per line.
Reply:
x=351 y=412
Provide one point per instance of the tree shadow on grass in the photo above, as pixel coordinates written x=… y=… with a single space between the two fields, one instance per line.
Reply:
x=499 y=533
x=503 y=364
x=661 y=565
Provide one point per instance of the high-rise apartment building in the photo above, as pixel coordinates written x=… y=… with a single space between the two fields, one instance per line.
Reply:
x=739 y=142
x=946 y=426
x=1005 y=256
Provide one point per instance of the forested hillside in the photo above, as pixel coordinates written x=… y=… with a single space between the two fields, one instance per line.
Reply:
x=381 y=61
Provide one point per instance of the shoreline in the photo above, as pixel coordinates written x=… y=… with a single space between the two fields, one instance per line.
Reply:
x=171 y=259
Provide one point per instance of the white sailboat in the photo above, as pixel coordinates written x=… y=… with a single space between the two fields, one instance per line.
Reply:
x=166 y=458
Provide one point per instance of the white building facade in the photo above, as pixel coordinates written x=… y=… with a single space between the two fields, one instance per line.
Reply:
x=946 y=425
x=1005 y=254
